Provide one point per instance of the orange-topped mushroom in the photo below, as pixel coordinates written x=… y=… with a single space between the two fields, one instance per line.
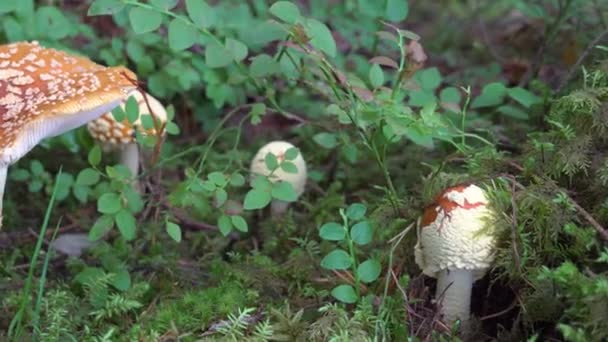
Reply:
x=115 y=135
x=456 y=245
x=45 y=92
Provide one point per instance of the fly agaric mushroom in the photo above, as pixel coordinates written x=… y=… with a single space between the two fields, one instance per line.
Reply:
x=46 y=92
x=456 y=246
x=297 y=179
x=116 y=135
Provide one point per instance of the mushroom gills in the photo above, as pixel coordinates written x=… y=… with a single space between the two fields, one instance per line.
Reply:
x=52 y=127
x=454 y=293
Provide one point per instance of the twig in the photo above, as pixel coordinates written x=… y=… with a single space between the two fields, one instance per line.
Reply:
x=501 y=312
x=584 y=213
x=598 y=227
x=580 y=59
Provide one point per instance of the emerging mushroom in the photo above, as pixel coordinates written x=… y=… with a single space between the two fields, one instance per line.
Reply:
x=297 y=179
x=46 y=92
x=456 y=246
x=120 y=136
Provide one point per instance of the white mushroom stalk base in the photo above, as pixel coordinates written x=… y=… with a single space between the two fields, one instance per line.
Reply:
x=278 y=207
x=129 y=157
x=3 y=170
x=454 y=293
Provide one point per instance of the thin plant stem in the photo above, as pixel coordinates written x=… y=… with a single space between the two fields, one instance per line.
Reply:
x=351 y=250
x=15 y=329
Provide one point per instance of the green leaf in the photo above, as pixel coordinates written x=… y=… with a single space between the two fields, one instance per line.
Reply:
x=126 y=224
x=224 y=224
x=164 y=4
x=491 y=95
x=174 y=231
x=217 y=56
x=376 y=76
x=201 y=13
x=332 y=231
x=218 y=178
x=19 y=175
x=356 y=211
x=292 y=153
x=239 y=223
x=220 y=197
x=450 y=95
x=81 y=192
x=171 y=128
x=36 y=168
x=361 y=233
x=345 y=293
x=524 y=97
x=119 y=113
x=286 y=11
x=94 y=156
x=64 y=184
x=181 y=35
x=261 y=183
x=51 y=22
x=396 y=10
x=256 y=199
x=132 y=109
x=289 y=167
x=7 y=6
x=134 y=201
x=257 y=111
x=237 y=49
x=321 y=37
x=98 y=7
x=144 y=20
x=421 y=97
x=271 y=161
x=369 y=270
x=109 y=203
x=35 y=185
x=263 y=65
x=101 y=227
x=429 y=79
x=326 y=140
x=236 y=179
x=284 y=191
x=513 y=112
x=336 y=260
x=121 y=280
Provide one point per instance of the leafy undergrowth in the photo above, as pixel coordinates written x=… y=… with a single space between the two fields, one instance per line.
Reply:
x=387 y=108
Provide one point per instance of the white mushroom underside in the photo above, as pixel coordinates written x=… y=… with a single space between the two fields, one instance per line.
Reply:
x=50 y=127
x=455 y=242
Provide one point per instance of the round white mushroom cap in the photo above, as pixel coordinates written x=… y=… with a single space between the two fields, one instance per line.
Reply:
x=112 y=133
x=278 y=148
x=454 y=233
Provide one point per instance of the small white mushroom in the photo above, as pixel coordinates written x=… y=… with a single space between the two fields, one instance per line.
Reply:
x=456 y=246
x=297 y=180
x=114 y=135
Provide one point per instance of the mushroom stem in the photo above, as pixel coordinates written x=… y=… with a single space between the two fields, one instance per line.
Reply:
x=454 y=292
x=129 y=157
x=278 y=207
x=3 y=170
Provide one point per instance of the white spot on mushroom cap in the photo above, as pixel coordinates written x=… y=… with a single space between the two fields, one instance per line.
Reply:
x=278 y=148
x=462 y=238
